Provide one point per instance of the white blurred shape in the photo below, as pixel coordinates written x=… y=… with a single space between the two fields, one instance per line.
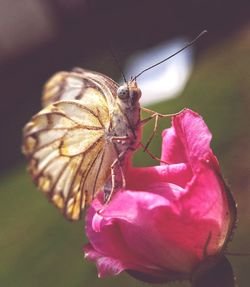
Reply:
x=166 y=80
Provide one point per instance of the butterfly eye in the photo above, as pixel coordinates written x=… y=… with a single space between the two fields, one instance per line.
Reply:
x=123 y=92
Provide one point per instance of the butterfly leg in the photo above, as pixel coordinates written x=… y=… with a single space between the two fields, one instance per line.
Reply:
x=116 y=181
x=153 y=114
x=156 y=117
x=116 y=163
x=152 y=155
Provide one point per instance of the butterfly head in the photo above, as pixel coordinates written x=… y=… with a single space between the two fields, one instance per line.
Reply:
x=129 y=94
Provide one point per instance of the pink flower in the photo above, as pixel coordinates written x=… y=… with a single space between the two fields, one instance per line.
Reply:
x=171 y=217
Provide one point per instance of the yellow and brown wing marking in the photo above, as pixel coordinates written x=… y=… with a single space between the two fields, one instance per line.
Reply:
x=83 y=85
x=69 y=158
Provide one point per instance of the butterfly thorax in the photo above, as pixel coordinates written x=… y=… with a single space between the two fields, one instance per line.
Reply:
x=124 y=133
x=126 y=116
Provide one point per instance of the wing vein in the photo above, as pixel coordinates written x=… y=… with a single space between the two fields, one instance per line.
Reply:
x=97 y=174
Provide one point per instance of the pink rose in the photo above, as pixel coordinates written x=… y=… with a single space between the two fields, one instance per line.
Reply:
x=171 y=217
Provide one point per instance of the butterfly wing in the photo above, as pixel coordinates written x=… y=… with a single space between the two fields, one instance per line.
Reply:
x=69 y=156
x=79 y=84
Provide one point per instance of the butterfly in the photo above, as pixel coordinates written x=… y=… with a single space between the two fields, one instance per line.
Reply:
x=81 y=139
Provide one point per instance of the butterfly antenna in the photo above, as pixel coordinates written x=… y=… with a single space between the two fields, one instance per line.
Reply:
x=171 y=56
x=118 y=64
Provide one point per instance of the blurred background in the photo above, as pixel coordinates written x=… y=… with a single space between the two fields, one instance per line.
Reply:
x=39 y=37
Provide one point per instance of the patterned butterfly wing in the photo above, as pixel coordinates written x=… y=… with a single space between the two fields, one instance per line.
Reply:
x=82 y=85
x=65 y=143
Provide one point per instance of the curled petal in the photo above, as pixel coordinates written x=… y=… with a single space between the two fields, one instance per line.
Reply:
x=187 y=141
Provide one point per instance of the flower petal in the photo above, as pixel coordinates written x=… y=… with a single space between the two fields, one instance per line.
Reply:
x=187 y=141
x=141 y=178
x=172 y=148
x=206 y=199
x=105 y=265
x=137 y=221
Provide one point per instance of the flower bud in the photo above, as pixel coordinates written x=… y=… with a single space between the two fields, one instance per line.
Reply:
x=171 y=217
